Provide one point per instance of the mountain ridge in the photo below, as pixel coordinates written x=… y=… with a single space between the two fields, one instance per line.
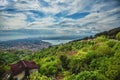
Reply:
x=32 y=44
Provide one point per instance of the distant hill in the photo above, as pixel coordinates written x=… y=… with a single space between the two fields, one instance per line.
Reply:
x=24 y=44
x=111 y=33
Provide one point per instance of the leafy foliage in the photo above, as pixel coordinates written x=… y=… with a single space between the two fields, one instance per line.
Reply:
x=38 y=76
x=118 y=36
x=90 y=75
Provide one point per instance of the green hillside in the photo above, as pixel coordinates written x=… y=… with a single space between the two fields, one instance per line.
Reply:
x=92 y=59
x=96 y=59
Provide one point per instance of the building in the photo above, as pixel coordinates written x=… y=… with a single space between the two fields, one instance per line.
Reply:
x=22 y=69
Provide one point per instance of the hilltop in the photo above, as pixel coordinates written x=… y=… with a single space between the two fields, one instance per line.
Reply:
x=110 y=33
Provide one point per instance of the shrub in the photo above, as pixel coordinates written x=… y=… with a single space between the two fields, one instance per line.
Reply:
x=84 y=49
x=113 y=72
x=64 y=61
x=77 y=65
x=71 y=77
x=111 y=43
x=103 y=50
x=116 y=46
x=101 y=39
x=118 y=36
x=38 y=76
x=49 y=65
x=90 y=75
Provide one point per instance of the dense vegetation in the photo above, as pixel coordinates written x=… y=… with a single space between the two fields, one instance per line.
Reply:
x=93 y=59
x=96 y=59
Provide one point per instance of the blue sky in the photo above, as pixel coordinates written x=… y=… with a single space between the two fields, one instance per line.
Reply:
x=57 y=18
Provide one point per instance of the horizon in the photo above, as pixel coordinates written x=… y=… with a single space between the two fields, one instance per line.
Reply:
x=57 y=19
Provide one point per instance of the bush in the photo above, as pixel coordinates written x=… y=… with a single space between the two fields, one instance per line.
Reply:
x=64 y=61
x=90 y=75
x=38 y=76
x=84 y=49
x=49 y=65
x=111 y=43
x=113 y=72
x=116 y=46
x=101 y=39
x=103 y=50
x=118 y=36
x=95 y=46
x=77 y=65
x=71 y=77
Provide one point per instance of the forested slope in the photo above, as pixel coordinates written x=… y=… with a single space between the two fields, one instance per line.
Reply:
x=92 y=59
x=97 y=59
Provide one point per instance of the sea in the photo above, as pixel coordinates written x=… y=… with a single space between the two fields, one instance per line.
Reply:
x=57 y=42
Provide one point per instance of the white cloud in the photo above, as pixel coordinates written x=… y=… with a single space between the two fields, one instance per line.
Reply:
x=16 y=21
x=29 y=5
x=99 y=19
x=42 y=23
x=3 y=2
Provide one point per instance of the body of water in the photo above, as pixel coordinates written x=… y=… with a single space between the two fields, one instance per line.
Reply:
x=56 y=42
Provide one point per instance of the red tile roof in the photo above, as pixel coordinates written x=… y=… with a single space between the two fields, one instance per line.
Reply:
x=21 y=66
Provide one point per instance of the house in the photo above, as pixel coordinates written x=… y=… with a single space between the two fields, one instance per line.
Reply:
x=22 y=69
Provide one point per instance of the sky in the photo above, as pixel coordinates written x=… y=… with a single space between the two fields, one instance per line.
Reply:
x=57 y=19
